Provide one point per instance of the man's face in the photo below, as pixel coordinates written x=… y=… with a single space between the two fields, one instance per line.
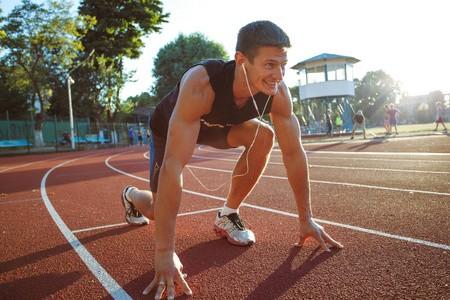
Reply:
x=267 y=69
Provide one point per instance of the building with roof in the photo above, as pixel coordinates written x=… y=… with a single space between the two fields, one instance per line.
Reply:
x=326 y=82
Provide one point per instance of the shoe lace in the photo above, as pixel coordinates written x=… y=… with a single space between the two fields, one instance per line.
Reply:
x=236 y=221
x=133 y=212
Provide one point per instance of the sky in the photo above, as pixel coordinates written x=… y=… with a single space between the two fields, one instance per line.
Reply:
x=409 y=40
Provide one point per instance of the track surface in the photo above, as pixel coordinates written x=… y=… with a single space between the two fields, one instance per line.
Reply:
x=388 y=201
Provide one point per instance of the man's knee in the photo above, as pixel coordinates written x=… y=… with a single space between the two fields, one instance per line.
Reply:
x=260 y=134
x=265 y=139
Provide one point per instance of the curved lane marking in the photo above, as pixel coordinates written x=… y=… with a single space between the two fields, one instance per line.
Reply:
x=331 y=167
x=284 y=213
x=110 y=285
x=189 y=213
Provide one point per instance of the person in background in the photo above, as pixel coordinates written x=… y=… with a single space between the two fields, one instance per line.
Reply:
x=328 y=119
x=131 y=136
x=386 y=124
x=359 y=121
x=338 y=122
x=393 y=118
x=440 y=113
x=140 y=139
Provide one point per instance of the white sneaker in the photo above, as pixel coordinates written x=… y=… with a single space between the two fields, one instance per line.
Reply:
x=132 y=215
x=232 y=228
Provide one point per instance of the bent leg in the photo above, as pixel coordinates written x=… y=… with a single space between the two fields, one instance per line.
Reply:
x=353 y=130
x=143 y=200
x=245 y=177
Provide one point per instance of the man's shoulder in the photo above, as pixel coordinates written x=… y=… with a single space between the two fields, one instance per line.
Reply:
x=196 y=79
x=196 y=89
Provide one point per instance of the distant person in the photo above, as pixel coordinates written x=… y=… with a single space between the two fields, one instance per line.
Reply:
x=359 y=121
x=393 y=118
x=66 y=139
x=131 y=136
x=440 y=114
x=387 y=127
x=140 y=139
x=329 y=123
x=338 y=122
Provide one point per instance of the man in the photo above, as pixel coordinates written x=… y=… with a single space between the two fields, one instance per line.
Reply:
x=329 y=123
x=338 y=122
x=440 y=112
x=359 y=121
x=393 y=118
x=217 y=104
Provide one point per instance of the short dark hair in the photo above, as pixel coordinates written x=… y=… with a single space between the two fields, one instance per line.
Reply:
x=259 y=34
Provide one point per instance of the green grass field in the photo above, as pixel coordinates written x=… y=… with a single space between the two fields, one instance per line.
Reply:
x=408 y=128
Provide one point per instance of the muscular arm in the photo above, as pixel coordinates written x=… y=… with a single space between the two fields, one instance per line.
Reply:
x=287 y=130
x=194 y=100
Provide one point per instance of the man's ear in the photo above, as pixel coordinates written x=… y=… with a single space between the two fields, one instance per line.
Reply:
x=240 y=58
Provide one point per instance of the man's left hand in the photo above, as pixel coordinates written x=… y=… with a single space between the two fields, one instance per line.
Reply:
x=310 y=228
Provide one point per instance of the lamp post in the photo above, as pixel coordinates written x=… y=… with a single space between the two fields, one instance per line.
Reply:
x=70 y=81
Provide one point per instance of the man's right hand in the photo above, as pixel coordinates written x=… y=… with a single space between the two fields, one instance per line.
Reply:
x=168 y=271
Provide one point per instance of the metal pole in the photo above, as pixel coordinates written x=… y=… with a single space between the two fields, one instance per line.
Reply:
x=72 y=135
x=8 y=134
x=69 y=82
x=56 y=133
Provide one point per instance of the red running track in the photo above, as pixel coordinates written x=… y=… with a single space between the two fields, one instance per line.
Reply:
x=387 y=201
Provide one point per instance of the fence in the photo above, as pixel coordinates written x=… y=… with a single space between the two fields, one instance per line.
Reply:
x=20 y=135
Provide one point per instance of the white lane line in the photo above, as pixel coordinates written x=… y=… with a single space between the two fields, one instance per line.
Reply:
x=379 y=169
x=15 y=167
x=197 y=212
x=377 y=159
x=99 y=227
x=110 y=285
x=18 y=201
x=228 y=159
x=351 y=227
x=311 y=154
x=335 y=183
x=377 y=140
x=333 y=167
x=365 y=153
x=418 y=154
x=189 y=213
x=313 y=157
x=31 y=163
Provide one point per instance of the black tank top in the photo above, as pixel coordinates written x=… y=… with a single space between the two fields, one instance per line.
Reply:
x=224 y=111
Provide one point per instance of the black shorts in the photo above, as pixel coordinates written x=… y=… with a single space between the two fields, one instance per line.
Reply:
x=212 y=136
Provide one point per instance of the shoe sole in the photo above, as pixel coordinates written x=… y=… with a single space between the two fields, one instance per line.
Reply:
x=124 y=198
x=223 y=234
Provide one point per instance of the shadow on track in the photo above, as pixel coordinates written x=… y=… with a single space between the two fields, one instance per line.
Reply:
x=39 y=286
x=196 y=260
x=285 y=276
x=25 y=260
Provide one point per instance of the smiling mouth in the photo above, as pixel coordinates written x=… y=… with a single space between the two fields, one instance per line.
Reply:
x=271 y=86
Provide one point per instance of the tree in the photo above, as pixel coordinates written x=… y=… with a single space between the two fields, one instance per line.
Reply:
x=142 y=100
x=177 y=56
x=12 y=93
x=374 y=90
x=118 y=33
x=41 y=42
